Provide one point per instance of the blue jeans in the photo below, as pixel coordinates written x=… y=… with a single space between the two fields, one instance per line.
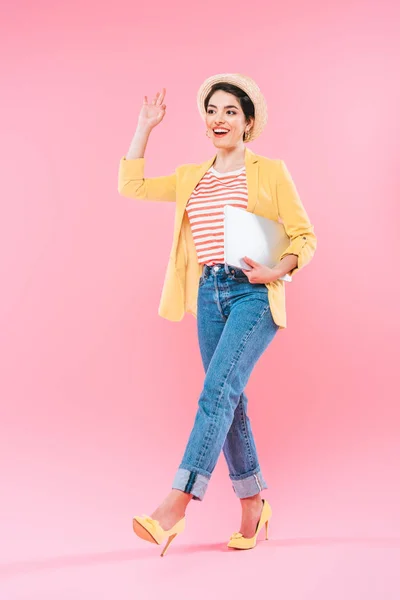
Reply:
x=234 y=326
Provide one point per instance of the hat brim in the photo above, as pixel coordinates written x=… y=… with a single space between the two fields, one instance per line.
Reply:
x=249 y=86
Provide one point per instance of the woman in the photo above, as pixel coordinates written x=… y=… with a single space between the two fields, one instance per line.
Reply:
x=239 y=311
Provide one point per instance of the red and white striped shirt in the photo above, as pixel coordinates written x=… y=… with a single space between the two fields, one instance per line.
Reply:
x=205 y=210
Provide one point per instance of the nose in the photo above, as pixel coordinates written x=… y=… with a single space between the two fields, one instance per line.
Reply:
x=219 y=118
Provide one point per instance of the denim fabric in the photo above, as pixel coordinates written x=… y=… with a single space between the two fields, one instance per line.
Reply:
x=235 y=327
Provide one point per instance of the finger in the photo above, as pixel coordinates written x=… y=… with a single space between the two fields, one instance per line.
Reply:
x=248 y=261
x=161 y=112
x=252 y=262
x=162 y=95
x=145 y=101
x=155 y=99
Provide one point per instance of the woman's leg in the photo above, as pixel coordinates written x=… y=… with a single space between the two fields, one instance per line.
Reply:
x=241 y=454
x=248 y=329
x=239 y=447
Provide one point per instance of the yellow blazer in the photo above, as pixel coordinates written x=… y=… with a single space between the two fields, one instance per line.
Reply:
x=271 y=193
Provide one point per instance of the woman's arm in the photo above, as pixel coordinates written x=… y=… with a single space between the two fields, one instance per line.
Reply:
x=138 y=143
x=287 y=265
x=303 y=241
x=131 y=180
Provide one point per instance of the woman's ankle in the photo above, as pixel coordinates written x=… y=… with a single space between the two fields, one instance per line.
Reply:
x=180 y=498
x=256 y=499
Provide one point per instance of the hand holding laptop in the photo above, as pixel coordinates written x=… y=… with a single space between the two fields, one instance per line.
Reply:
x=249 y=235
x=259 y=273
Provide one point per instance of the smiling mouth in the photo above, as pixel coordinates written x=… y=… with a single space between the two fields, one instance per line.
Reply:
x=220 y=133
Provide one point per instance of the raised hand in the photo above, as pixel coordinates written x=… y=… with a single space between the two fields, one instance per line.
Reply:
x=152 y=114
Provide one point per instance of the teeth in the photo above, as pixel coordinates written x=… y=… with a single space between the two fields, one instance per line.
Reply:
x=220 y=131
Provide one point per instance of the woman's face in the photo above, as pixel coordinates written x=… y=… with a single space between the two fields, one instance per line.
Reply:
x=224 y=112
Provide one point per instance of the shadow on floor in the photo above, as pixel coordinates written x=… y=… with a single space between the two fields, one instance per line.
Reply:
x=21 y=567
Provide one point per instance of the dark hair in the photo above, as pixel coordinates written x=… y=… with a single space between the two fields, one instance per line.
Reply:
x=244 y=100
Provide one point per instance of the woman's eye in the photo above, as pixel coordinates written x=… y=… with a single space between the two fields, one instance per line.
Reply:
x=210 y=110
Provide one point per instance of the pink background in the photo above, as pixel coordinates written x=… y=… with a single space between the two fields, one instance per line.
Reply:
x=98 y=393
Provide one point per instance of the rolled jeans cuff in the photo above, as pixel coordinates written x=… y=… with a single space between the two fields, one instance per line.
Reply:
x=249 y=485
x=191 y=483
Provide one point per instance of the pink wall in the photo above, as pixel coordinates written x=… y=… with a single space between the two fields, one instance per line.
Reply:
x=98 y=393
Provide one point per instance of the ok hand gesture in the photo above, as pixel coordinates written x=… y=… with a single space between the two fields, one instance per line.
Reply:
x=152 y=114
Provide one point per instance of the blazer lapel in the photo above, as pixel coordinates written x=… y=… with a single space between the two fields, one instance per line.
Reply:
x=191 y=180
x=251 y=162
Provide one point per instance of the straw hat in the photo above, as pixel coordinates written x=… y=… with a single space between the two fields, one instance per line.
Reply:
x=249 y=86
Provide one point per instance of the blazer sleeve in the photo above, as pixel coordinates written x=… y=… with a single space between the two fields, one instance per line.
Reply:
x=303 y=241
x=133 y=184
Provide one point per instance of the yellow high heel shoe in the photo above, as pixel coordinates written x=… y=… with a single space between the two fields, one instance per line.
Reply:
x=150 y=530
x=238 y=541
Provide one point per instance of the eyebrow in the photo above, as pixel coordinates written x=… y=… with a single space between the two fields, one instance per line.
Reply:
x=229 y=106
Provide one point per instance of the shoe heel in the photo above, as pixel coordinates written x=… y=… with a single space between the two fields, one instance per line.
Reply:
x=266 y=530
x=171 y=537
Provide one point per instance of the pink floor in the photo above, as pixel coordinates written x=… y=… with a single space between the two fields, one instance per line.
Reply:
x=316 y=551
x=300 y=567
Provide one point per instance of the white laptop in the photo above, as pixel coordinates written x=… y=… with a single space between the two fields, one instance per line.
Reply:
x=259 y=238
